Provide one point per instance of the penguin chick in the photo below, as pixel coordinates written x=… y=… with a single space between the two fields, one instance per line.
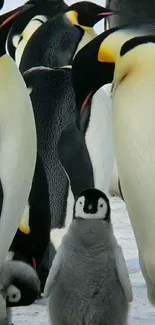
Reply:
x=57 y=41
x=20 y=282
x=88 y=280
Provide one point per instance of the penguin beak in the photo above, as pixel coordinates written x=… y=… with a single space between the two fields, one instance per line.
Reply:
x=107 y=13
x=17 y=150
x=15 y=14
x=85 y=102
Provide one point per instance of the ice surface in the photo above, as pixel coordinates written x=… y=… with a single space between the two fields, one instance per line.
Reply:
x=141 y=313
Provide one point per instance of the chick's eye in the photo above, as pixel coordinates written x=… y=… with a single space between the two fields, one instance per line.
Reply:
x=101 y=205
x=80 y=202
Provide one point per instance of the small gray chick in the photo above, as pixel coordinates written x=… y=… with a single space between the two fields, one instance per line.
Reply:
x=88 y=283
x=19 y=286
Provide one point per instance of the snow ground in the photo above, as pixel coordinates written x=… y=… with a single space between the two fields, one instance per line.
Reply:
x=141 y=313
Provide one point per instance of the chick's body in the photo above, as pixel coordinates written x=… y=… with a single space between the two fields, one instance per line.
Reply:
x=87 y=289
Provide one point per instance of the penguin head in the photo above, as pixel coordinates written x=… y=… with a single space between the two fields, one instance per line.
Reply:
x=86 y=14
x=92 y=204
x=23 y=28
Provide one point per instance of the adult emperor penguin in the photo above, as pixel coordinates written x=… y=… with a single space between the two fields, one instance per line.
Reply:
x=17 y=151
x=27 y=22
x=54 y=111
x=58 y=40
x=89 y=248
x=135 y=154
x=129 y=11
x=96 y=126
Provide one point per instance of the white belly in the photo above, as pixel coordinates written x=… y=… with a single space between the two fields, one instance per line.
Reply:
x=134 y=133
x=99 y=140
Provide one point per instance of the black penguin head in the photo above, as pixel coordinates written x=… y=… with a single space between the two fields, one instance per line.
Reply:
x=86 y=14
x=92 y=204
x=92 y=68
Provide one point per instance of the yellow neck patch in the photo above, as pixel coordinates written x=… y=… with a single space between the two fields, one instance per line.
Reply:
x=105 y=55
x=24 y=224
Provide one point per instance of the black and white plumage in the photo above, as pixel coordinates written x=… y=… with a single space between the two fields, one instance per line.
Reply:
x=54 y=106
x=56 y=42
x=6 y=22
x=27 y=22
x=88 y=280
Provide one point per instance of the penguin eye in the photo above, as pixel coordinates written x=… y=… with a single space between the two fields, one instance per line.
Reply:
x=80 y=202
x=101 y=205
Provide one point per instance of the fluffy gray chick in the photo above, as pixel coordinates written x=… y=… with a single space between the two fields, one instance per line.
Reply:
x=88 y=282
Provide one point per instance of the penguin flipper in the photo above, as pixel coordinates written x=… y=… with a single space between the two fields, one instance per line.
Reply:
x=122 y=271
x=53 y=273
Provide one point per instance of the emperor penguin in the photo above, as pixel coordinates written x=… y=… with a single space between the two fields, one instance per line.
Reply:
x=58 y=40
x=88 y=279
x=17 y=151
x=129 y=12
x=54 y=111
x=126 y=56
x=28 y=21
x=95 y=124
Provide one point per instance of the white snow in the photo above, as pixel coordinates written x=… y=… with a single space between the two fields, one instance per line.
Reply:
x=141 y=313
